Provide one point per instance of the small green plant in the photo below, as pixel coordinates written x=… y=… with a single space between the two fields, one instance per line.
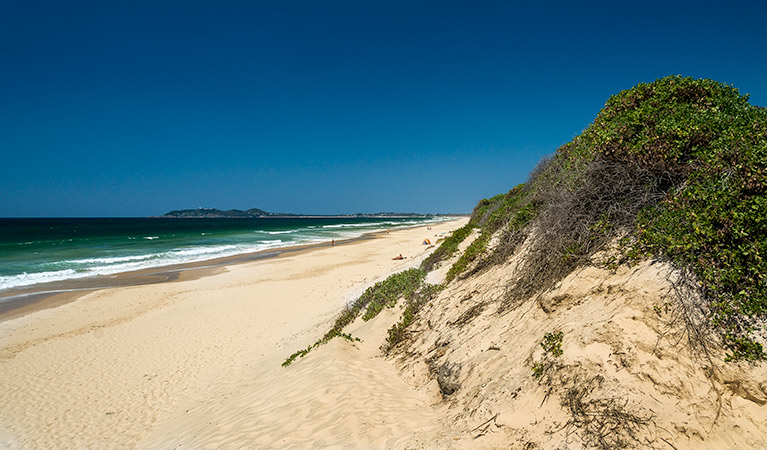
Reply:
x=328 y=336
x=552 y=348
x=552 y=343
x=743 y=348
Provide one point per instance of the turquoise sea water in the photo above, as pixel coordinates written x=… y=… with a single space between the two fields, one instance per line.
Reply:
x=35 y=251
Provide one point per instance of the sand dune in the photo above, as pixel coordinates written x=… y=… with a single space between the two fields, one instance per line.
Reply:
x=625 y=367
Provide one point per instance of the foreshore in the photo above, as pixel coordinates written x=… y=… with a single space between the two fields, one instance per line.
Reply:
x=195 y=361
x=20 y=301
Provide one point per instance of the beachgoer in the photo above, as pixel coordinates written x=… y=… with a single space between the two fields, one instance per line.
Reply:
x=333 y=243
x=399 y=257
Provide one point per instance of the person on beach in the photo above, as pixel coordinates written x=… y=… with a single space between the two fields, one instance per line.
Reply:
x=332 y=242
x=399 y=257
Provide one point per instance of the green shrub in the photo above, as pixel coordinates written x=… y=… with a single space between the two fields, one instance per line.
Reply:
x=387 y=292
x=384 y=293
x=712 y=143
x=511 y=210
x=398 y=332
x=675 y=169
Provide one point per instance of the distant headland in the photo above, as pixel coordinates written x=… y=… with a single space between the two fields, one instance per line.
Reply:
x=213 y=213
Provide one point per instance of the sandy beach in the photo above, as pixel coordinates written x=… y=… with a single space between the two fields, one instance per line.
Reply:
x=196 y=363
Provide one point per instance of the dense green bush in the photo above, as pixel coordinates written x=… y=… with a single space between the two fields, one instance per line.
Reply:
x=712 y=144
x=552 y=348
x=678 y=167
x=668 y=124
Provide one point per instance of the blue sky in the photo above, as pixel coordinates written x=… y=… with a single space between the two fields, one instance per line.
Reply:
x=136 y=108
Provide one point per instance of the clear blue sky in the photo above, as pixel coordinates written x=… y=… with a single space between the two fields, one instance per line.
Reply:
x=112 y=108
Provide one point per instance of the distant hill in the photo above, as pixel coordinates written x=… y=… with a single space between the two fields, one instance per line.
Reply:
x=210 y=213
x=213 y=213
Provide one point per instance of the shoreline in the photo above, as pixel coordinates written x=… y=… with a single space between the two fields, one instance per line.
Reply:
x=25 y=300
x=147 y=366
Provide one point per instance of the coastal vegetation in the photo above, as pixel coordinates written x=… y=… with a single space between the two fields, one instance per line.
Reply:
x=398 y=332
x=448 y=247
x=639 y=246
x=505 y=210
x=674 y=170
x=386 y=293
x=552 y=348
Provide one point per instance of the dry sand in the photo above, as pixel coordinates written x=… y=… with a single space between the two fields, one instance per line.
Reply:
x=196 y=364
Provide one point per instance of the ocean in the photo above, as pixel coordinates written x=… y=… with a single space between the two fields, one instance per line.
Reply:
x=38 y=251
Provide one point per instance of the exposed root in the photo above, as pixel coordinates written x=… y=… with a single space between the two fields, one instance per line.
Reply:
x=686 y=318
x=605 y=423
x=485 y=427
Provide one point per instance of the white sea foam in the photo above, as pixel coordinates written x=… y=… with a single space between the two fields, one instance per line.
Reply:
x=350 y=225
x=28 y=279
x=375 y=225
x=151 y=237
x=195 y=251
x=112 y=260
x=114 y=265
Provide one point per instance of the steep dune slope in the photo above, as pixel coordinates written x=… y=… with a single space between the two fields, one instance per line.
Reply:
x=623 y=378
x=618 y=298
